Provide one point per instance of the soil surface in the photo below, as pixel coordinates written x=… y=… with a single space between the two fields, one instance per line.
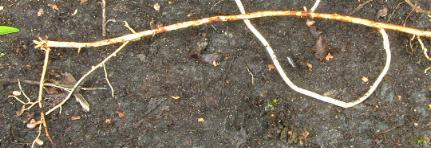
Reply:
x=168 y=93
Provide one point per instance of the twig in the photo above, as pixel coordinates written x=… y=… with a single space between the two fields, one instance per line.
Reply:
x=131 y=37
x=45 y=124
x=93 y=68
x=360 y=7
x=251 y=74
x=107 y=80
x=22 y=92
x=425 y=52
x=103 y=18
x=424 y=49
x=60 y=86
x=310 y=93
x=40 y=99
x=416 y=8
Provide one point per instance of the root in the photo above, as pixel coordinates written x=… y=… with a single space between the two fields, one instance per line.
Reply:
x=310 y=93
x=416 y=8
x=43 y=43
x=46 y=46
x=93 y=68
x=107 y=80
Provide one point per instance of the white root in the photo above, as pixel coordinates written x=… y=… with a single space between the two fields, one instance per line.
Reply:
x=306 y=92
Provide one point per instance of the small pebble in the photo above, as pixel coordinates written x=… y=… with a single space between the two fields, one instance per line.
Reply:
x=201 y=120
x=156 y=7
x=364 y=79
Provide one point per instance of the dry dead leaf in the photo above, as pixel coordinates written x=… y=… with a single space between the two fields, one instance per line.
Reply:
x=51 y=91
x=270 y=67
x=53 y=7
x=320 y=48
x=68 y=78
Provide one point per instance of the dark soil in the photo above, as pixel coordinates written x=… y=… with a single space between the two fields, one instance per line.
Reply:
x=236 y=112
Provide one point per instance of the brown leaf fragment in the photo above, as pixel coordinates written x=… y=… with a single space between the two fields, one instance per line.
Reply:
x=51 y=91
x=53 y=7
x=121 y=114
x=320 y=48
x=382 y=12
x=68 y=78
x=315 y=32
x=270 y=67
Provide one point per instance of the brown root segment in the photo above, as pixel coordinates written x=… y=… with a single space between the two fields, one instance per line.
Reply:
x=227 y=18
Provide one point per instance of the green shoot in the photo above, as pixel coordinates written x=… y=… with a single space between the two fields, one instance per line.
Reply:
x=8 y=30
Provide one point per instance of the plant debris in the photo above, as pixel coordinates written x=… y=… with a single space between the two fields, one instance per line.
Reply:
x=382 y=12
x=364 y=79
x=321 y=49
x=270 y=67
x=121 y=114
x=201 y=120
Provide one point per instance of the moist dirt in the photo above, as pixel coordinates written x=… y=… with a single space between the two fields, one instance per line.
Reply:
x=168 y=93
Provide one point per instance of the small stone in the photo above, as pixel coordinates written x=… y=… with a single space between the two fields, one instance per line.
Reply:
x=156 y=7
x=40 y=12
x=364 y=79
x=201 y=120
x=142 y=57
x=108 y=121
x=1 y=8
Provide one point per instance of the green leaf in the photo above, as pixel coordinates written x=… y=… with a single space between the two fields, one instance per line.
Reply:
x=7 y=30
